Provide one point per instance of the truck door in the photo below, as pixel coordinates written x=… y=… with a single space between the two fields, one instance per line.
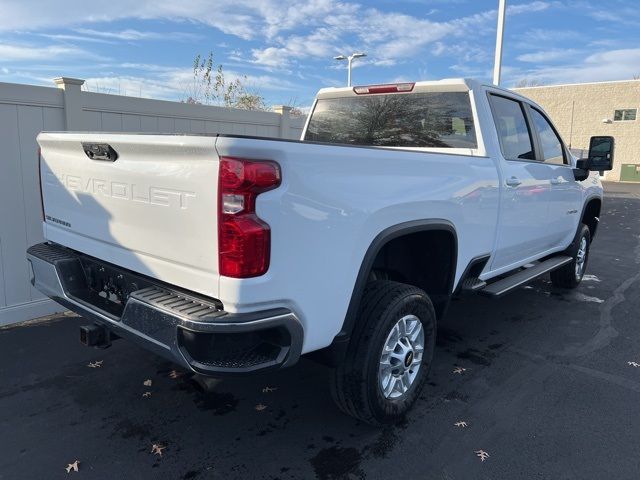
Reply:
x=523 y=230
x=564 y=202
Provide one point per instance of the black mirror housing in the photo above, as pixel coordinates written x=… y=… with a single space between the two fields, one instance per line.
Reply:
x=582 y=163
x=580 y=174
x=600 y=154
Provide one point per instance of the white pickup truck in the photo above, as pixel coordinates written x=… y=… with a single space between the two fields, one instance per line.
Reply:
x=231 y=254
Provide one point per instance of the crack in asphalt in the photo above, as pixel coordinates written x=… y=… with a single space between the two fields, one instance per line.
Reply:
x=607 y=332
x=608 y=377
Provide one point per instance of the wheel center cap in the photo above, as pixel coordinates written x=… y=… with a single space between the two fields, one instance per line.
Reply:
x=408 y=359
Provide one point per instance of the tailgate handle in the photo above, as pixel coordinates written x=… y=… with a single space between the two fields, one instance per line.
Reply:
x=100 y=151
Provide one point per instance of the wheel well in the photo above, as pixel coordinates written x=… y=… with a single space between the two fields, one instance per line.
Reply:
x=422 y=253
x=591 y=214
x=423 y=259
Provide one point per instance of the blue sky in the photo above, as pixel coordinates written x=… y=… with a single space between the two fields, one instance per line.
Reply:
x=285 y=48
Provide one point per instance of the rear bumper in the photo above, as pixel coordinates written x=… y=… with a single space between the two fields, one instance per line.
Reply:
x=183 y=327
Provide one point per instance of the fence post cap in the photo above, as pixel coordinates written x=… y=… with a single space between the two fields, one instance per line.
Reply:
x=62 y=81
x=281 y=109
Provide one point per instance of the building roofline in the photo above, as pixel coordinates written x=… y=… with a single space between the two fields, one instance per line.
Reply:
x=576 y=84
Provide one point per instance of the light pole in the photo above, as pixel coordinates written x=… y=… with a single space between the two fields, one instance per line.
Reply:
x=350 y=60
x=497 y=65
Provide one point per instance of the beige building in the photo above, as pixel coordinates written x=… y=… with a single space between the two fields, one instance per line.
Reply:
x=581 y=110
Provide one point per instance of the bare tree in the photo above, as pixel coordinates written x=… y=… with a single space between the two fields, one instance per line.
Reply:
x=211 y=87
x=295 y=111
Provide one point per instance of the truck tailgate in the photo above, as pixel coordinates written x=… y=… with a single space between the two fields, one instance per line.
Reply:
x=152 y=210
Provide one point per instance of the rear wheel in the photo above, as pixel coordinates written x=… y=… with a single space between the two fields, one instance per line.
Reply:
x=570 y=275
x=389 y=355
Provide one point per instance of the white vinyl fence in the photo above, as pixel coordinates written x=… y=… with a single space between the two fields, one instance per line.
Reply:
x=26 y=110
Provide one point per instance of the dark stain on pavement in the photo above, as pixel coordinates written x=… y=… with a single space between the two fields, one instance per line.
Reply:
x=476 y=356
x=336 y=463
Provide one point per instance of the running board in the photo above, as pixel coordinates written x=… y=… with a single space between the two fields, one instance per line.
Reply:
x=500 y=287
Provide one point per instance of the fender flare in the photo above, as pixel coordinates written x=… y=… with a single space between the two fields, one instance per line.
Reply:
x=376 y=245
x=587 y=201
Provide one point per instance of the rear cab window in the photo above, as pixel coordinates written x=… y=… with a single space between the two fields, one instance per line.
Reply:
x=416 y=119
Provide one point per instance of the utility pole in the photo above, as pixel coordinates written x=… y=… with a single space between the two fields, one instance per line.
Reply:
x=499 y=37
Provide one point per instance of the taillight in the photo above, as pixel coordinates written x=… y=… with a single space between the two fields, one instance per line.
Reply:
x=389 y=88
x=244 y=240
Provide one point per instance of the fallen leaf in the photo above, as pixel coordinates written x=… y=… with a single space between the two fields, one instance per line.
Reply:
x=482 y=455
x=72 y=466
x=175 y=374
x=460 y=424
x=633 y=364
x=147 y=383
x=459 y=370
x=269 y=389
x=260 y=407
x=96 y=364
x=157 y=449
x=146 y=394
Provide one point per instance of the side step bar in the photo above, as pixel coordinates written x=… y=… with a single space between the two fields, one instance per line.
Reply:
x=472 y=284
x=500 y=287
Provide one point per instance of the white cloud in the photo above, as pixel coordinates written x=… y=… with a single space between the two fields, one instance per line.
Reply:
x=535 y=37
x=121 y=35
x=332 y=24
x=243 y=18
x=536 y=6
x=546 y=56
x=389 y=37
x=271 y=56
x=463 y=51
x=174 y=83
x=133 y=35
x=61 y=37
x=602 y=66
x=20 y=53
x=618 y=14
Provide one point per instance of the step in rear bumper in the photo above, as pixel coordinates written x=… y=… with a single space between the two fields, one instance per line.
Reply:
x=185 y=328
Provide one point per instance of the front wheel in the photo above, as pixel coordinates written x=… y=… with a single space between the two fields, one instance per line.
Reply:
x=570 y=275
x=389 y=355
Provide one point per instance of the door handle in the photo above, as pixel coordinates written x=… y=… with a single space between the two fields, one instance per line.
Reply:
x=556 y=181
x=513 y=182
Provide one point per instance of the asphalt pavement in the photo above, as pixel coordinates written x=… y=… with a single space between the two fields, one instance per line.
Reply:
x=550 y=390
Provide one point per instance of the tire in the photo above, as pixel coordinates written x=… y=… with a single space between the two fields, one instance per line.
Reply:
x=357 y=384
x=570 y=275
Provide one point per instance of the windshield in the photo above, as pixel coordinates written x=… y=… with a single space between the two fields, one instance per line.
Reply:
x=433 y=119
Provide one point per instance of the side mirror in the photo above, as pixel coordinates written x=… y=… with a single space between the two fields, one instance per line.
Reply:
x=600 y=155
x=580 y=173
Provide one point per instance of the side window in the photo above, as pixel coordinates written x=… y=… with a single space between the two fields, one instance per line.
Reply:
x=552 y=150
x=513 y=132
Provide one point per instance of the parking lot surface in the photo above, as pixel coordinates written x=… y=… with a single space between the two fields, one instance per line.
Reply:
x=551 y=389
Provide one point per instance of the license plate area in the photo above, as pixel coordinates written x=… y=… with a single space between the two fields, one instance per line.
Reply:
x=107 y=287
